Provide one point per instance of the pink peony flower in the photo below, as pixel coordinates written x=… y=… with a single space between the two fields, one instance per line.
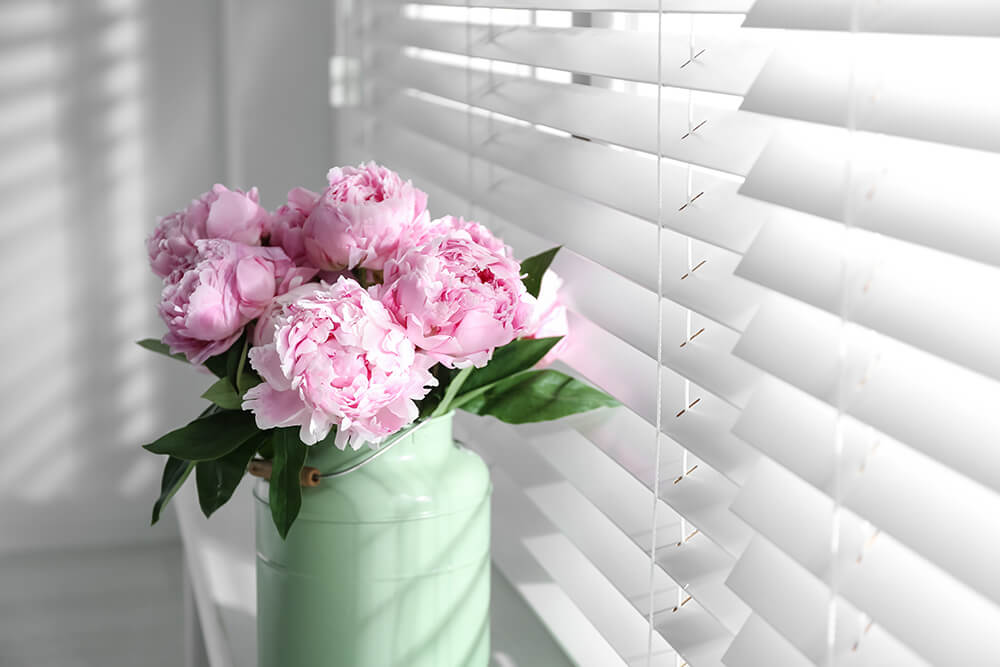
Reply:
x=263 y=332
x=459 y=296
x=220 y=213
x=549 y=317
x=478 y=232
x=363 y=218
x=287 y=222
x=337 y=358
x=207 y=306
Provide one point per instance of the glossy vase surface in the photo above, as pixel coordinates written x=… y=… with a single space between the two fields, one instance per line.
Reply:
x=387 y=566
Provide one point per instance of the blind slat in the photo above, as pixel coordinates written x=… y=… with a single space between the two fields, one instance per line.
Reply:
x=692 y=630
x=905 y=87
x=685 y=6
x=899 y=188
x=956 y=627
x=704 y=500
x=728 y=65
x=798 y=431
x=706 y=431
x=912 y=497
x=699 y=566
x=930 y=533
x=695 y=634
x=570 y=598
x=703 y=504
x=727 y=140
x=799 y=611
x=623 y=182
x=695 y=429
x=955 y=17
x=757 y=643
x=894 y=388
x=611 y=302
x=620 y=559
x=711 y=290
x=904 y=292
x=702 y=568
x=796 y=519
x=719 y=217
x=831 y=240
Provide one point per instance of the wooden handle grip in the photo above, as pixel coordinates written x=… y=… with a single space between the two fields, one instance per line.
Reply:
x=309 y=476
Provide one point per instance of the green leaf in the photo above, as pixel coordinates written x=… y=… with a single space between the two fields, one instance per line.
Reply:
x=222 y=394
x=217 y=364
x=175 y=472
x=236 y=357
x=510 y=359
x=285 y=494
x=534 y=396
x=218 y=479
x=533 y=268
x=247 y=380
x=154 y=345
x=453 y=387
x=266 y=446
x=208 y=437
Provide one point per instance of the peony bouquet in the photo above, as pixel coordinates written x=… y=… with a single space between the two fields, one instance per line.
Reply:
x=345 y=317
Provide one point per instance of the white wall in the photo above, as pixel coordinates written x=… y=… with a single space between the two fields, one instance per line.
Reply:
x=113 y=112
x=278 y=105
x=109 y=114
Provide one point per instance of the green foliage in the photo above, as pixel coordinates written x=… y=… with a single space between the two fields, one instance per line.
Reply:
x=154 y=345
x=533 y=396
x=285 y=493
x=236 y=357
x=453 y=388
x=216 y=364
x=175 y=472
x=533 y=268
x=512 y=358
x=228 y=392
x=218 y=479
x=206 y=438
x=223 y=394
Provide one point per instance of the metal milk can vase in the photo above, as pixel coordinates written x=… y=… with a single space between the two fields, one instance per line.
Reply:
x=385 y=566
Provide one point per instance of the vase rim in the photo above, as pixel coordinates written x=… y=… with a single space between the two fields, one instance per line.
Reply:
x=333 y=457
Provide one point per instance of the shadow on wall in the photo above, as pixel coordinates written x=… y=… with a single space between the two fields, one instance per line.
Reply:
x=104 y=122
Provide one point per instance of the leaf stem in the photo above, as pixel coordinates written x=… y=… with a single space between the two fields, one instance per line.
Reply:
x=240 y=366
x=479 y=391
x=450 y=393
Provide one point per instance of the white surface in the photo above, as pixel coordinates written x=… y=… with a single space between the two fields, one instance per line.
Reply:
x=277 y=102
x=798 y=519
x=731 y=140
x=220 y=557
x=92 y=607
x=729 y=64
x=794 y=603
x=904 y=291
x=547 y=162
x=107 y=120
x=954 y=17
x=913 y=498
x=942 y=410
x=939 y=196
x=735 y=6
x=940 y=89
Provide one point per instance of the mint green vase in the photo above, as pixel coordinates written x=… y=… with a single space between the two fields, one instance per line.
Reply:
x=387 y=566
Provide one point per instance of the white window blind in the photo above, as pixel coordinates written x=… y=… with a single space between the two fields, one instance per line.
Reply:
x=781 y=232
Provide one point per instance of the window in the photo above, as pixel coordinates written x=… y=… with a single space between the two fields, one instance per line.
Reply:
x=781 y=248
